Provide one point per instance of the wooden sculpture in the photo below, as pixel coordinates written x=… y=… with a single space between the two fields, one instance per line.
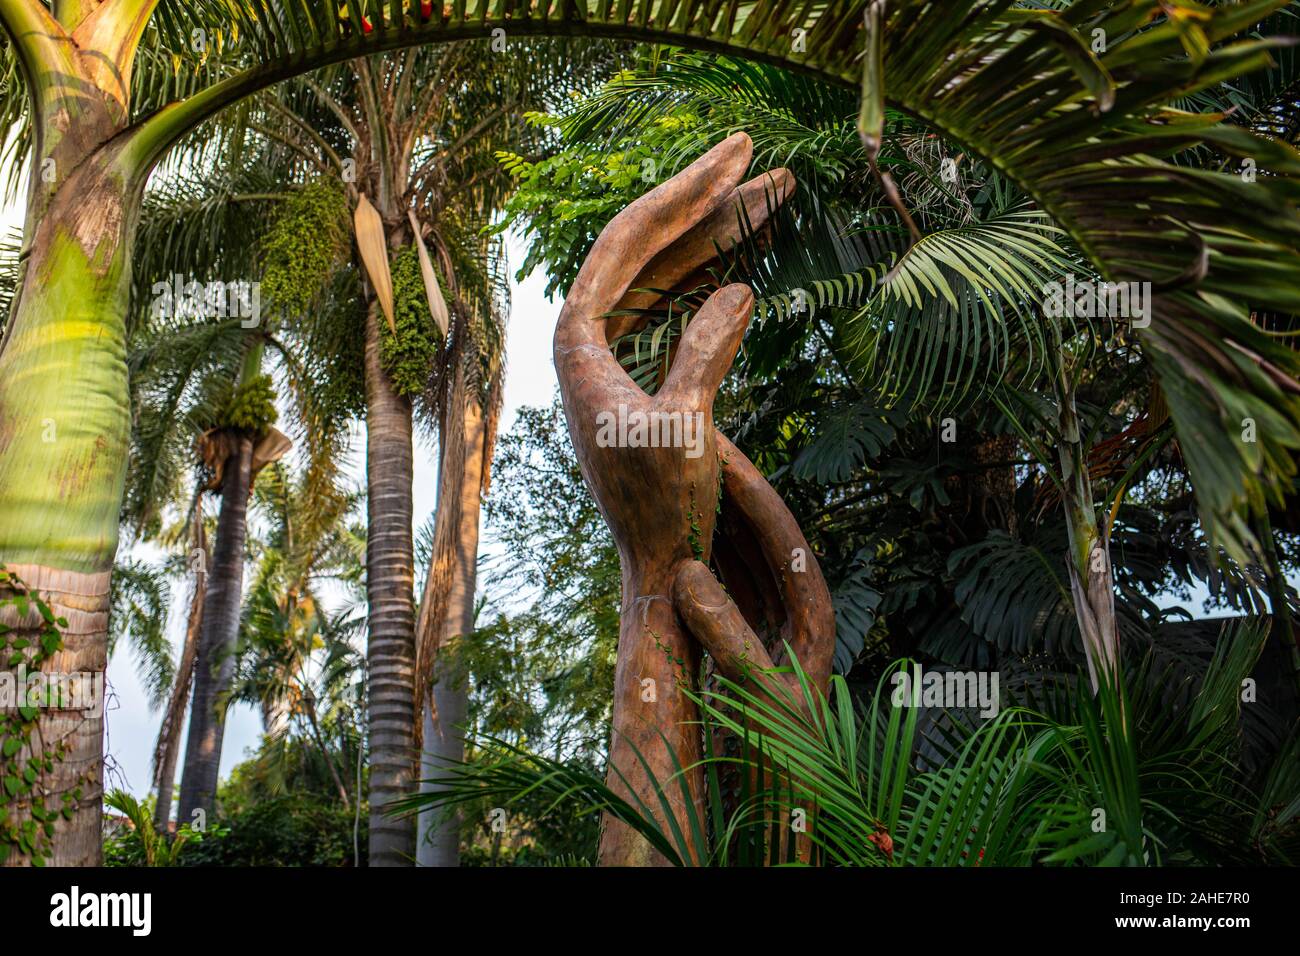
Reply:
x=657 y=466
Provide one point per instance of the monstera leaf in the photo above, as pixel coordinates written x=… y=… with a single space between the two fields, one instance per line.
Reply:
x=855 y=602
x=844 y=441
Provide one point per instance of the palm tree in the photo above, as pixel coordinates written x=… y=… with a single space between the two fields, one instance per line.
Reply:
x=204 y=407
x=167 y=749
x=423 y=152
x=448 y=606
x=230 y=453
x=444 y=173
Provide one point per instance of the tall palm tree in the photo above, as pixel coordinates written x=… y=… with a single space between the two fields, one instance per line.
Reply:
x=422 y=133
x=230 y=452
x=168 y=746
x=203 y=419
x=413 y=143
x=468 y=437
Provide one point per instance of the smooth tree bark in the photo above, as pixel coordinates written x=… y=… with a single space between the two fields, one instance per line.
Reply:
x=1092 y=582
x=444 y=720
x=214 y=666
x=661 y=497
x=168 y=747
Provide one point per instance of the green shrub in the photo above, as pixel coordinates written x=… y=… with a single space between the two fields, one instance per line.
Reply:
x=292 y=830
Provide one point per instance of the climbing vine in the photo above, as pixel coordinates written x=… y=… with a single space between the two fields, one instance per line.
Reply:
x=408 y=356
x=27 y=822
x=695 y=532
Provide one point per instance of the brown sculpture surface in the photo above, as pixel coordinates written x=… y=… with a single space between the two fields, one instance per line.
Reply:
x=656 y=467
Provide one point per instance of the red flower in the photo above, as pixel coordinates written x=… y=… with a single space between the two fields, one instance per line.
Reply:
x=883 y=841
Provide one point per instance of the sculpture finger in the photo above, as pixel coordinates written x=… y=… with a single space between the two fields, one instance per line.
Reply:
x=717 y=624
x=746 y=211
x=641 y=231
x=707 y=348
x=809 y=626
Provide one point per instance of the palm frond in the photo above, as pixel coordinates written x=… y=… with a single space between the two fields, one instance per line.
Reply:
x=139 y=600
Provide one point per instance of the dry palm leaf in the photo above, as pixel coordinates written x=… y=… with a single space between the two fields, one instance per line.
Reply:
x=373 y=247
x=273 y=446
x=437 y=305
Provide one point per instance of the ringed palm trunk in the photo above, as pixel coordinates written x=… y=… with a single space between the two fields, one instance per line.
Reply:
x=444 y=737
x=214 y=666
x=390 y=589
x=64 y=399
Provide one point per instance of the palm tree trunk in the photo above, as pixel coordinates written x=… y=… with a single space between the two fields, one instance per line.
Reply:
x=64 y=427
x=390 y=588
x=443 y=738
x=83 y=600
x=169 y=735
x=1092 y=582
x=214 y=666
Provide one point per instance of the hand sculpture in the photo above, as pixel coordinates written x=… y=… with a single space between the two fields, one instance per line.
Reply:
x=658 y=475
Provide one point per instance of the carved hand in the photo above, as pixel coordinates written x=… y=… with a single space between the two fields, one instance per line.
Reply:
x=657 y=467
